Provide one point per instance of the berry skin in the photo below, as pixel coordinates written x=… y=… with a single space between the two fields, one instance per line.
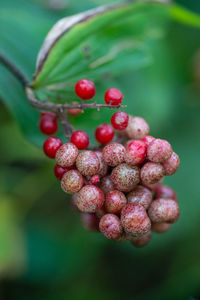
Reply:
x=164 y=191
x=141 y=241
x=151 y=173
x=159 y=151
x=66 y=155
x=163 y=210
x=125 y=177
x=87 y=163
x=113 y=96
x=104 y=134
x=95 y=179
x=48 y=123
x=85 y=89
x=171 y=165
x=137 y=128
x=72 y=182
x=160 y=227
x=153 y=186
x=135 y=220
x=140 y=195
x=119 y=120
x=113 y=154
x=60 y=171
x=115 y=201
x=110 y=226
x=80 y=139
x=135 y=152
x=103 y=168
x=51 y=146
x=74 y=111
x=90 y=221
x=106 y=184
x=90 y=199
x=148 y=139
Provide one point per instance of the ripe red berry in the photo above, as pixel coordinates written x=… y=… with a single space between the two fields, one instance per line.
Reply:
x=48 y=114
x=90 y=199
x=48 y=123
x=135 y=152
x=119 y=120
x=159 y=151
x=67 y=154
x=51 y=146
x=104 y=133
x=60 y=171
x=113 y=96
x=110 y=226
x=95 y=179
x=85 y=89
x=148 y=139
x=115 y=201
x=80 y=139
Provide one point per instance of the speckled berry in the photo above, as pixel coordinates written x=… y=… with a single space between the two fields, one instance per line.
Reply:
x=141 y=241
x=160 y=227
x=125 y=177
x=72 y=182
x=66 y=155
x=113 y=154
x=153 y=186
x=115 y=201
x=159 y=151
x=95 y=179
x=90 y=221
x=148 y=139
x=135 y=220
x=103 y=167
x=137 y=128
x=151 y=173
x=87 y=163
x=119 y=120
x=140 y=195
x=106 y=184
x=164 y=191
x=164 y=210
x=110 y=226
x=90 y=199
x=171 y=165
x=135 y=152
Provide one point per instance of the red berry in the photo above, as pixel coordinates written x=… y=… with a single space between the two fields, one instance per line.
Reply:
x=74 y=111
x=95 y=179
x=120 y=120
x=60 y=171
x=90 y=221
x=104 y=133
x=113 y=97
x=159 y=151
x=51 y=146
x=48 y=114
x=135 y=152
x=85 y=89
x=164 y=191
x=171 y=165
x=148 y=139
x=80 y=139
x=140 y=195
x=48 y=123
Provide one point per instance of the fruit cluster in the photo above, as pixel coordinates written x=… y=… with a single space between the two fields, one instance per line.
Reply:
x=118 y=186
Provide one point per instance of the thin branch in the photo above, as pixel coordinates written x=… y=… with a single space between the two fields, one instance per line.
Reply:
x=68 y=129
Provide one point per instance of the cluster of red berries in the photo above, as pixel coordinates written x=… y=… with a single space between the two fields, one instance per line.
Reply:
x=117 y=187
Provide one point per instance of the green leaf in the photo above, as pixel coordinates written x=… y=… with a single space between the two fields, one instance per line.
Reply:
x=184 y=16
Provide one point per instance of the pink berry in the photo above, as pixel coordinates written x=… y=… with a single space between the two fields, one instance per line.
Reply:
x=74 y=111
x=125 y=177
x=85 y=89
x=48 y=123
x=72 y=182
x=164 y=191
x=106 y=184
x=60 y=171
x=148 y=139
x=113 y=154
x=87 y=163
x=135 y=220
x=135 y=152
x=90 y=221
x=103 y=167
x=66 y=155
x=137 y=128
x=90 y=199
x=160 y=227
x=151 y=173
x=153 y=186
x=119 y=120
x=104 y=134
x=140 y=195
x=159 y=151
x=95 y=179
x=110 y=226
x=80 y=139
x=51 y=146
x=115 y=201
x=171 y=165
x=113 y=96
x=163 y=210
x=141 y=241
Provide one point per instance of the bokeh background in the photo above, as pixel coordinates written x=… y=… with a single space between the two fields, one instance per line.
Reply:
x=44 y=251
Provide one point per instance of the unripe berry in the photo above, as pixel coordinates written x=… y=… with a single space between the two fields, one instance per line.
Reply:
x=171 y=165
x=110 y=226
x=119 y=120
x=140 y=195
x=103 y=167
x=72 y=182
x=160 y=227
x=113 y=96
x=137 y=128
x=104 y=134
x=113 y=154
x=115 y=201
x=48 y=123
x=87 y=163
x=135 y=220
x=148 y=139
x=90 y=221
x=106 y=184
x=164 y=210
x=135 y=152
x=85 y=89
x=90 y=199
x=159 y=151
x=66 y=155
x=95 y=179
x=74 y=111
x=164 y=191
x=141 y=241
x=80 y=139
x=51 y=146
x=125 y=177
x=60 y=171
x=151 y=173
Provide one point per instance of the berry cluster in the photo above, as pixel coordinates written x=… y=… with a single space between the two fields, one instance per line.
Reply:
x=118 y=186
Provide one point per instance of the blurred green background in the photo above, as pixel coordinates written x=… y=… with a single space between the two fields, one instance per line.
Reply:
x=44 y=251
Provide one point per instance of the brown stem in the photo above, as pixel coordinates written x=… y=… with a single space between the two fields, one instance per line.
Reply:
x=68 y=129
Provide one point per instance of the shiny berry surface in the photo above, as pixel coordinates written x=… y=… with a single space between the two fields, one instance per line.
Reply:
x=48 y=124
x=60 y=171
x=104 y=133
x=113 y=96
x=119 y=120
x=135 y=152
x=85 y=89
x=80 y=139
x=51 y=146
